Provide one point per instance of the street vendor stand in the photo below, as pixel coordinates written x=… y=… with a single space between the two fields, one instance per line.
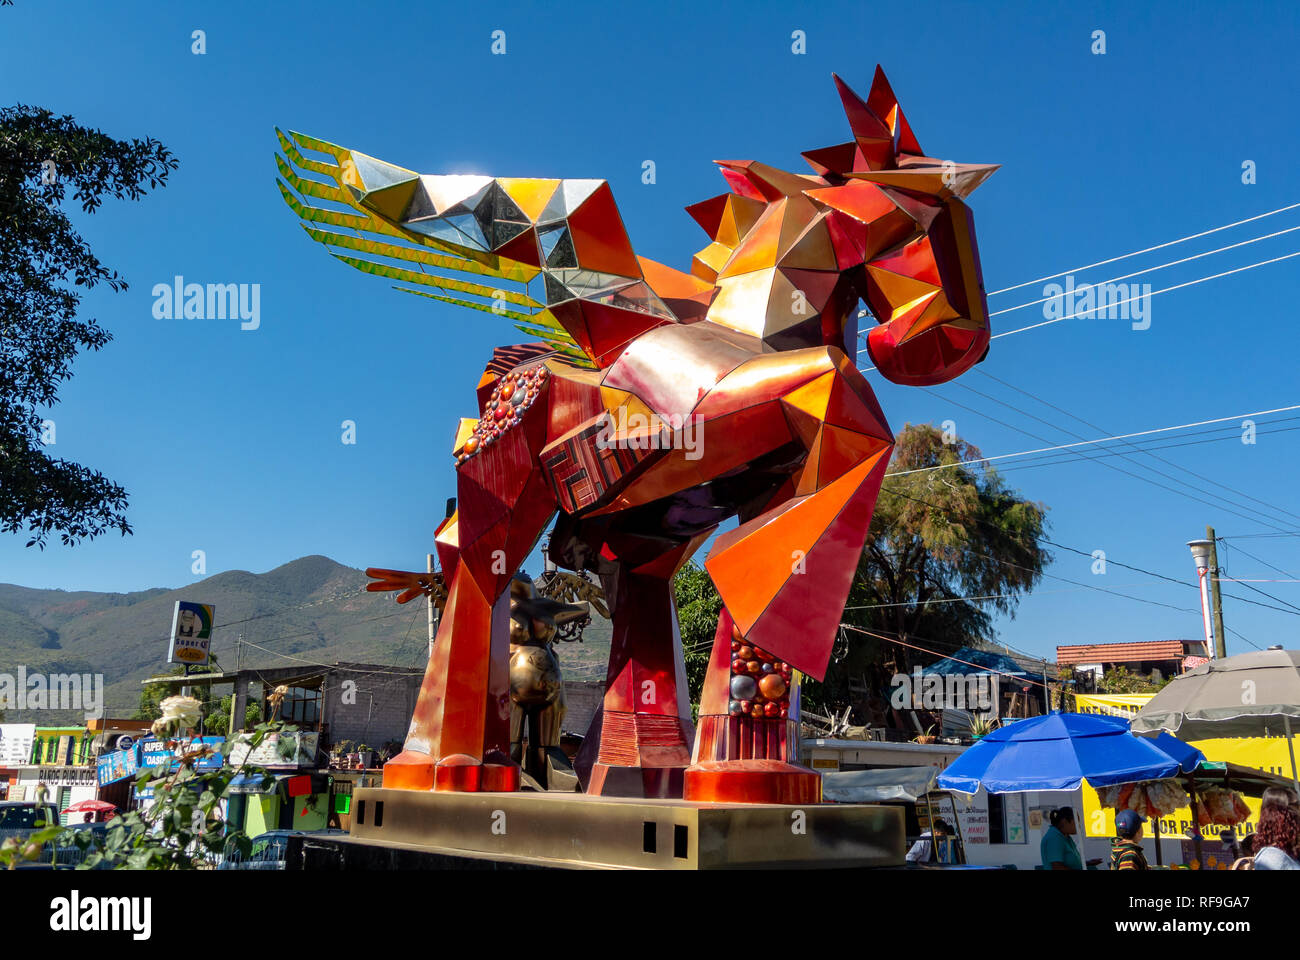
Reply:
x=1208 y=702
x=1207 y=776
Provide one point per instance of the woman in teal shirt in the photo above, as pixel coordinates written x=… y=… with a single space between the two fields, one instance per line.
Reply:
x=1058 y=849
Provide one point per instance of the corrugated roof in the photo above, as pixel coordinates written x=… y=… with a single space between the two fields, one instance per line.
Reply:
x=1119 y=652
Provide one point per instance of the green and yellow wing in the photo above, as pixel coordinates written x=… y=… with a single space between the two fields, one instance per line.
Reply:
x=443 y=237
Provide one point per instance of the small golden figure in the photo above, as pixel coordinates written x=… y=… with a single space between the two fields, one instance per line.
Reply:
x=536 y=687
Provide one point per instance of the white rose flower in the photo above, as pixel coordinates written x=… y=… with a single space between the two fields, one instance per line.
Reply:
x=183 y=710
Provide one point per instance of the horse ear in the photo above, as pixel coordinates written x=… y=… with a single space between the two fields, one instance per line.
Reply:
x=937 y=178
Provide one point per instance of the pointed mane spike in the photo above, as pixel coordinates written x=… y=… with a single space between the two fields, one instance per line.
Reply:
x=874 y=138
x=736 y=173
x=881 y=99
x=884 y=103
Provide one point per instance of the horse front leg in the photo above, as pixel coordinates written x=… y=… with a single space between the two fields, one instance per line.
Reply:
x=784 y=576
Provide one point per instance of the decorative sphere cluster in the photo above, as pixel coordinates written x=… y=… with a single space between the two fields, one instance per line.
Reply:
x=760 y=684
x=510 y=399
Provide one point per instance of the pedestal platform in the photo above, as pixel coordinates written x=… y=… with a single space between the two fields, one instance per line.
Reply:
x=592 y=832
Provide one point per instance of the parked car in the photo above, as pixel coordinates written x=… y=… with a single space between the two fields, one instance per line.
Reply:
x=22 y=818
x=269 y=850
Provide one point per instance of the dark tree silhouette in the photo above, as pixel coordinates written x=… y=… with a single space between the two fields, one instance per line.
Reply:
x=45 y=265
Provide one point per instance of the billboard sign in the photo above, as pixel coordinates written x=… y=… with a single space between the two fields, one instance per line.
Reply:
x=191 y=634
x=160 y=753
x=297 y=750
x=1124 y=705
x=16 y=741
x=115 y=766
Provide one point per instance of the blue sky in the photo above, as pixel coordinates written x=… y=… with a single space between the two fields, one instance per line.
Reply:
x=229 y=441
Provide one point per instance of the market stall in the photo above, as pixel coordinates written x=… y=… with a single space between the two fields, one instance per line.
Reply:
x=1063 y=751
x=1216 y=794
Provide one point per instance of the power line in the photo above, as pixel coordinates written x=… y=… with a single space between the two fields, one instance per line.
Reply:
x=1218 y=502
x=1099 y=429
x=1269 y=595
x=1245 y=580
x=1086 y=443
x=318 y=663
x=1145 y=270
x=1050 y=462
x=1032 y=570
x=1159 y=246
x=1099 y=459
x=1142 y=570
x=1120 y=303
x=301 y=606
x=895 y=639
x=1257 y=559
x=1152 y=573
x=1247 y=639
x=310 y=633
x=1117 y=303
x=966 y=599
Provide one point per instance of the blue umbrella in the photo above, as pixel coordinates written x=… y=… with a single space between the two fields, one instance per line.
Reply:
x=1058 y=751
x=1188 y=757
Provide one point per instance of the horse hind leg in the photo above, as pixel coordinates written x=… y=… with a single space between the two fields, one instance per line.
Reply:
x=640 y=741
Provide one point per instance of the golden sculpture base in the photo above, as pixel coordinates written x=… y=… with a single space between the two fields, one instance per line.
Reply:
x=564 y=830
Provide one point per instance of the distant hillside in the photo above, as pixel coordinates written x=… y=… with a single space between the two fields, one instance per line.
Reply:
x=310 y=609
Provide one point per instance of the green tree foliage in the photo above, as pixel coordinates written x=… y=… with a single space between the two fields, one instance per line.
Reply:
x=1121 y=680
x=217 y=722
x=155 y=693
x=185 y=827
x=45 y=266
x=698 y=607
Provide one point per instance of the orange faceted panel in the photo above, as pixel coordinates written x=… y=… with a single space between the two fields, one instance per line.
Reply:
x=812 y=398
x=861 y=200
x=882 y=102
x=599 y=239
x=708 y=213
x=938 y=178
x=812 y=249
x=838 y=159
x=759 y=249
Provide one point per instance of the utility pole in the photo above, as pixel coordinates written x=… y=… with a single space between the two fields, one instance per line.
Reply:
x=1206 y=555
x=1220 y=644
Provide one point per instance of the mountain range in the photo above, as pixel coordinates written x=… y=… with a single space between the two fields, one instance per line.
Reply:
x=311 y=609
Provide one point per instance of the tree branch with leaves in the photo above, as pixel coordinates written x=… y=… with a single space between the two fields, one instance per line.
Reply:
x=45 y=267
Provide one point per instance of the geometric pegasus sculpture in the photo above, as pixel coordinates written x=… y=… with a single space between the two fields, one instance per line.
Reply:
x=651 y=406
